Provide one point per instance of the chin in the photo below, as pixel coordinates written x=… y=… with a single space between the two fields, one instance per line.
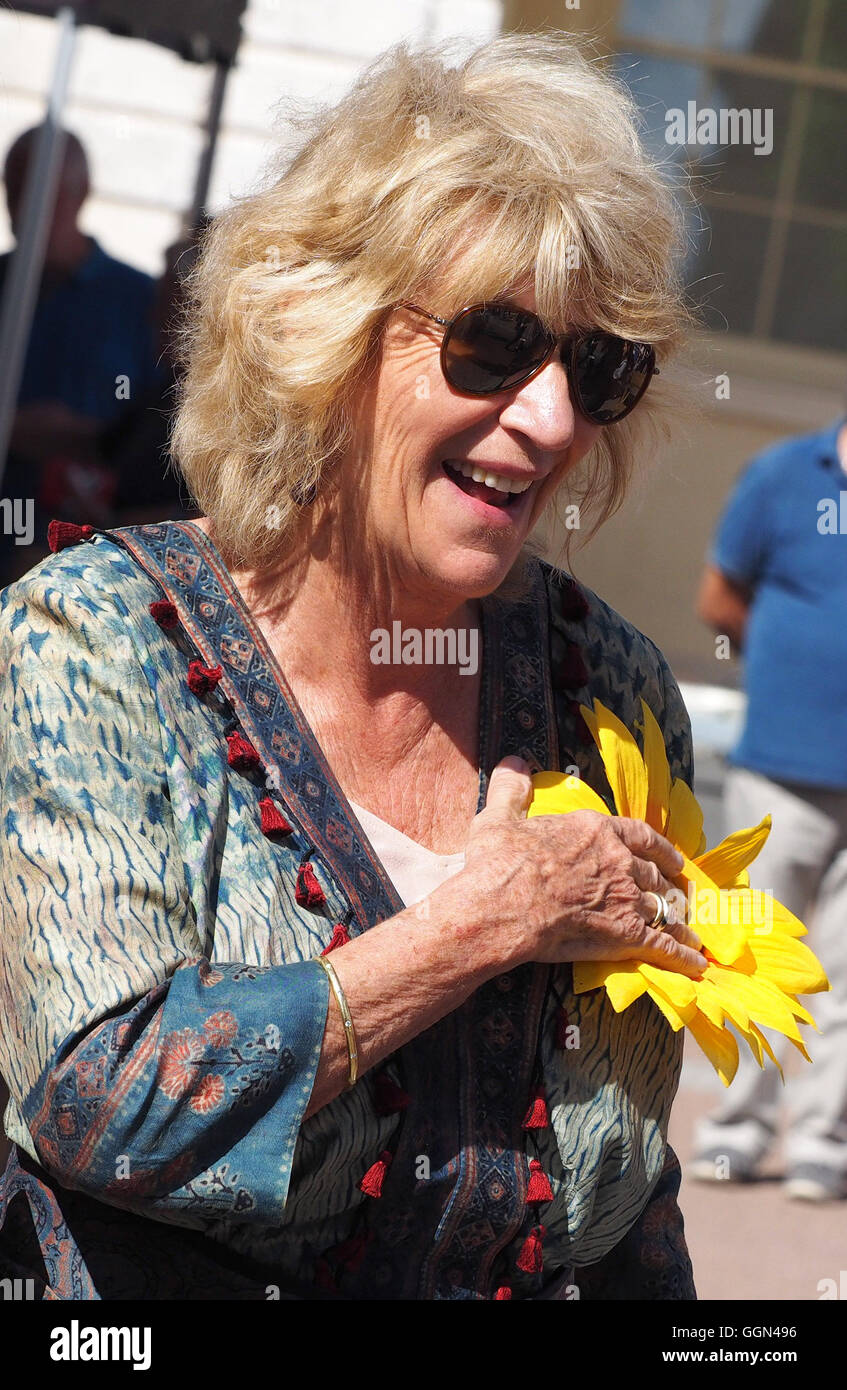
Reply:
x=475 y=574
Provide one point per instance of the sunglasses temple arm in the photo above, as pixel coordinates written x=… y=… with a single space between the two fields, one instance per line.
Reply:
x=407 y=304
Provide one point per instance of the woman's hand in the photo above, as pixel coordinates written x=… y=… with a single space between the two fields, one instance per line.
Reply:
x=575 y=886
x=553 y=888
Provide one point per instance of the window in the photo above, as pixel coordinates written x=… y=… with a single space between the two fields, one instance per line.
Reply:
x=768 y=243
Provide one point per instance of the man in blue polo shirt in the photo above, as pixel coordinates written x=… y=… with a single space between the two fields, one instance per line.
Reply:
x=776 y=584
x=91 y=363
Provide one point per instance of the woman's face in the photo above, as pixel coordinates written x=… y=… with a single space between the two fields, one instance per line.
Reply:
x=437 y=530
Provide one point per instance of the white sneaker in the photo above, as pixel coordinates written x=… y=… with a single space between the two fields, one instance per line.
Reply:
x=811 y=1182
x=720 y=1166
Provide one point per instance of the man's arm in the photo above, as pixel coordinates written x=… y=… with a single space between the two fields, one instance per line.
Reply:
x=724 y=604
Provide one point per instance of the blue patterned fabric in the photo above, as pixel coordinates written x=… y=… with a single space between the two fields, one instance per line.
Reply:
x=163 y=1013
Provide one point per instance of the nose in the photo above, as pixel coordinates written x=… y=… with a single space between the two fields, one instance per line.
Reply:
x=542 y=408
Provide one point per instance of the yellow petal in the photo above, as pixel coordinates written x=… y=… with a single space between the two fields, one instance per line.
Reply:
x=718 y=1044
x=674 y=1018
x=685 y=819
x=623 y=981
x=753 y=1038
x=723 y=863
x=555 y=793
x=763 y=1042
x=763 y=1001
x=741 y=880
x=747 y=908
x=621 y=758
x=759 y=912
x=780 y=919
x=789 y=963
x=624 y=986
x=708 y=1002
x=799 y=1012
x=734 y=1007
x=722 y=938
x=591 y=974
x=801 y=1047
x=658 y=772
x=678 y=988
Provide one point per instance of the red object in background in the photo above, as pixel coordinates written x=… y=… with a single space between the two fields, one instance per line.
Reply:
x=69 y=488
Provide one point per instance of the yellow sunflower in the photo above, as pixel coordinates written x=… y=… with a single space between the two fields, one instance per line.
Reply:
x=754 y=965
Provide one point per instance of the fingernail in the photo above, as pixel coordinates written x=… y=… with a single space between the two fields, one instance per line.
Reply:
x=512 y=763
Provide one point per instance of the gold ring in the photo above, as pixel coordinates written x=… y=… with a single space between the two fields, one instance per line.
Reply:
x=663 y=910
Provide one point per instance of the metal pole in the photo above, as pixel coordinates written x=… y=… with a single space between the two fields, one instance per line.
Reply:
x=24 y=273
x=213 y=121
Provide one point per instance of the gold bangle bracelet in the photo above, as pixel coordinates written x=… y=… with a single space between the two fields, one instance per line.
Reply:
x=349 y=1030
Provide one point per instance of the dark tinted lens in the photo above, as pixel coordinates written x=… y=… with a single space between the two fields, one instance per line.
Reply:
x=492 y=348
x=610 y=375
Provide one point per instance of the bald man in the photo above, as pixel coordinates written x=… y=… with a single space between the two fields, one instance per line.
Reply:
x=91 y=360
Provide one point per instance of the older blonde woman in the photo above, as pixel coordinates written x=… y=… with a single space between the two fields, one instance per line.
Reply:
x=286 y=969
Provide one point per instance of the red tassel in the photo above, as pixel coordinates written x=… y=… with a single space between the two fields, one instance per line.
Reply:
x=340 y=937
x=531 y=1258
x=63 y=533
x=324 y=1277
x=502 y=1293
x=308 y=892
x=561 y=1028
x=536 y=1116
x=582 y=730
x=273 y=821
x=164 y=613
x=390 y=1098
x=242 y=755
x=351 y=1253
x=371 y=1183
x=539 y=1189
x=202 y=679
x=573 y=604
x=569 y=670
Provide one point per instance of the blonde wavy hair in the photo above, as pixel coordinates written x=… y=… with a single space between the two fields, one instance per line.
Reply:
x=528 y=143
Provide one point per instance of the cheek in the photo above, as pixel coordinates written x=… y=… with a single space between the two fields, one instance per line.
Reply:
x=585 y=437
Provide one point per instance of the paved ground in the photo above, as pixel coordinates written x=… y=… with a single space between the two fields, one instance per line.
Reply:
x=749 y=1241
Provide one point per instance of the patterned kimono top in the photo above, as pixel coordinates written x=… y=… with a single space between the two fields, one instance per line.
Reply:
x=175 y=853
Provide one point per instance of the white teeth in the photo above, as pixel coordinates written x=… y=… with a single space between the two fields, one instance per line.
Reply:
x=492 y=480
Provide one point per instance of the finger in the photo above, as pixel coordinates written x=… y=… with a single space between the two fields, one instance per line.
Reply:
x=647 y=907
x=509 y=791
x=649 y=877
x=661 y=949
x=675 y=925
x=647 y=843
x=681 y=932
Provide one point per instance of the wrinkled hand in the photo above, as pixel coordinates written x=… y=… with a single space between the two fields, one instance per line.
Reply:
x=576 y=886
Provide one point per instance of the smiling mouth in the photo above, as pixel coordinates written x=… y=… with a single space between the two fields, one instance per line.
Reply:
x=493 y=488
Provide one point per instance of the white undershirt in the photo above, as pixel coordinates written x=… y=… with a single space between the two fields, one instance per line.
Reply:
x=414 y=870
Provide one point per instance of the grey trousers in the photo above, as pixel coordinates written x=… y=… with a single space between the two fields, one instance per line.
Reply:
x=804 y=865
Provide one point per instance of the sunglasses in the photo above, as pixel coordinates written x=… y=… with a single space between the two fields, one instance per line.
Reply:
x=494 y=347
